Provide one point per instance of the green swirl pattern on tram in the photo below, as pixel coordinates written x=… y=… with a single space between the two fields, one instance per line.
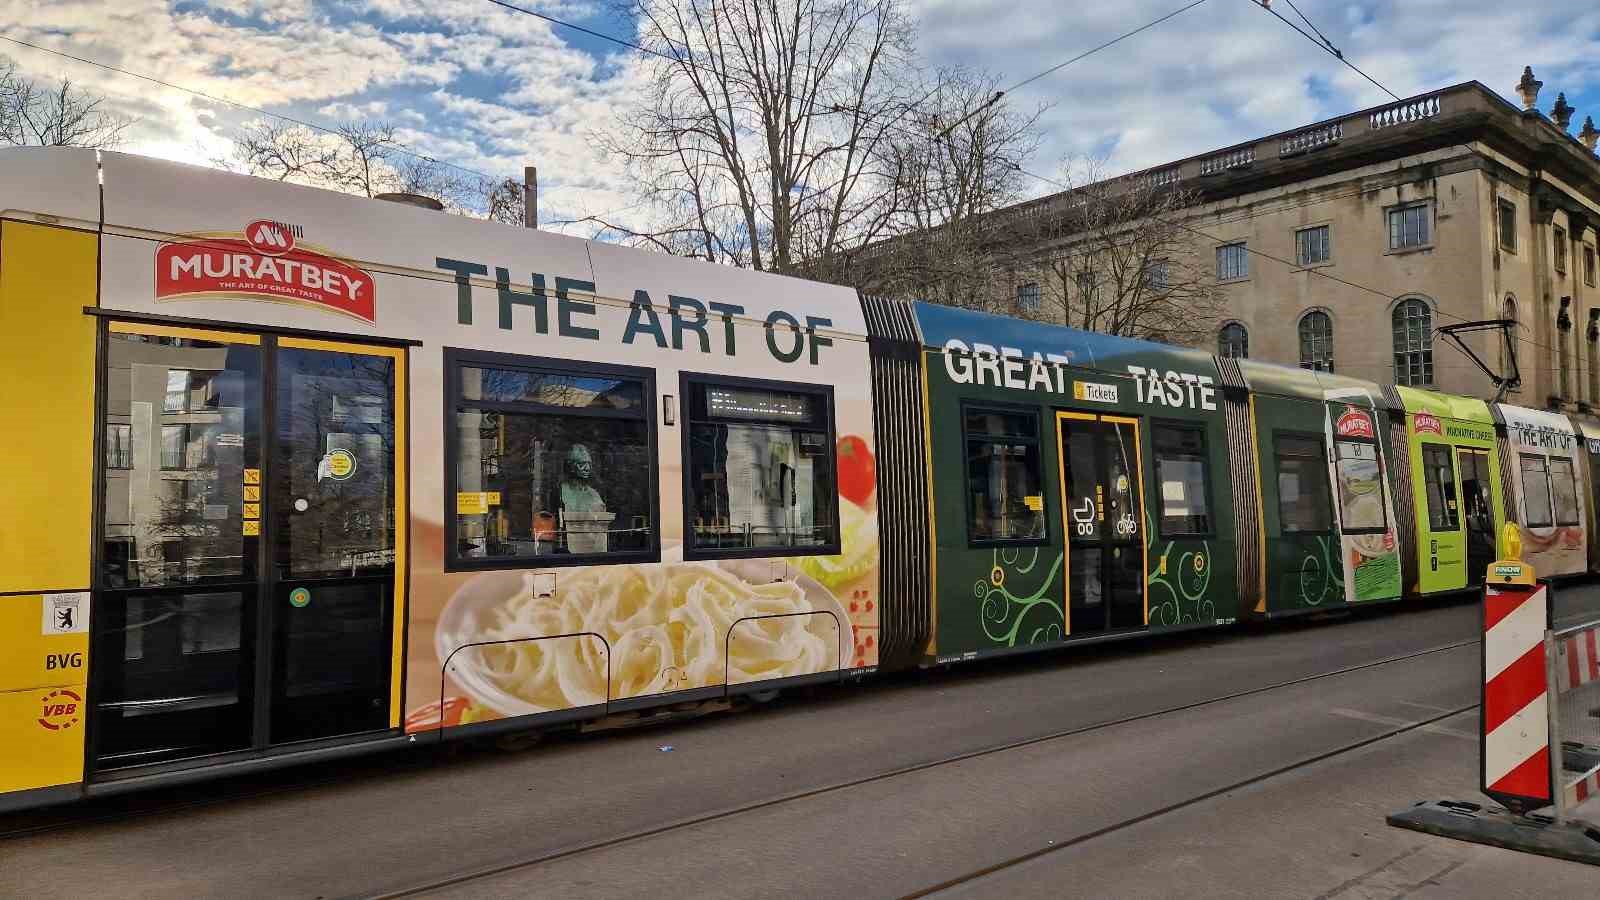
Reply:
x=1003 y=613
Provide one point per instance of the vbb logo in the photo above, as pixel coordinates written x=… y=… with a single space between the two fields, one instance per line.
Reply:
x=61 y=709
x=270 y=238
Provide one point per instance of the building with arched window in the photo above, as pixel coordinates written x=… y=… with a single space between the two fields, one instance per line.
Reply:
x=1412 y=319
x=1233 y=341
x=1366 y=232
x=1316 y=341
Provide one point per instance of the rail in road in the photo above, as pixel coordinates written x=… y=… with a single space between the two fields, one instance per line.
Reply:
x=465 y=878
x=598 y=803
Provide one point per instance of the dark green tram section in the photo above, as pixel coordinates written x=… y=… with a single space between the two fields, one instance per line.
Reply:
x=1080 y=485
x=1326 y=458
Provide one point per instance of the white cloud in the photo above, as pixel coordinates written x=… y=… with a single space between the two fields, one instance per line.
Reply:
x=493 y=90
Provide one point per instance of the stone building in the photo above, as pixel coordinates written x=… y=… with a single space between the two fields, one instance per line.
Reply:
x=1345 y=244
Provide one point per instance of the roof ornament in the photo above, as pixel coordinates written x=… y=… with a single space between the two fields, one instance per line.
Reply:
x=1562 y=112
x=1528 y=89
x=1589 y=135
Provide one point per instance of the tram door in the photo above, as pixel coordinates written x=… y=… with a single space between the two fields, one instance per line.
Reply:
x=245 y=592
x=1103 y=520
x=1476 y=497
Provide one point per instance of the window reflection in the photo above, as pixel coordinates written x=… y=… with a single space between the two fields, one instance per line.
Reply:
x=181 y=420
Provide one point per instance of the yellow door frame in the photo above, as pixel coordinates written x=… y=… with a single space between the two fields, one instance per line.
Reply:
x=1066 y=532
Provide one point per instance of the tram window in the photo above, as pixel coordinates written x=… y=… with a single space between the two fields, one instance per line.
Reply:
x=1360 y=479
x=759 y=464
x=1303 y=485
x=182 y=420
x=1564 y=491
x=554 y=461
x=1005 y=493
x=1439 y=477
x=1536 y=491
x=1181 y=472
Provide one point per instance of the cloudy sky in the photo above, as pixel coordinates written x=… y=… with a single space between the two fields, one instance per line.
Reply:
x=489 y=89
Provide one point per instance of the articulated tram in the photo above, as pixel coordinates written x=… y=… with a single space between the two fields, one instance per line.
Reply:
x=292 y=475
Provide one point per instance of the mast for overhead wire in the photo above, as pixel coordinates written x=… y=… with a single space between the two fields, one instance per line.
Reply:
x=1506 y=381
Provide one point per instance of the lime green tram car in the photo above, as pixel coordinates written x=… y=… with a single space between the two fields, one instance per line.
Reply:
x=291 y=475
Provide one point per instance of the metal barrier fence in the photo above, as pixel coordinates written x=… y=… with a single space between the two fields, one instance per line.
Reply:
x=1573 y=687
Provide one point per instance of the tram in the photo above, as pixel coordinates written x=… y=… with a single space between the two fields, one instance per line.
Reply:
x=292 y=475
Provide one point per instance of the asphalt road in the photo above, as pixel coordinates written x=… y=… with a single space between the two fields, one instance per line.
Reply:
x=914 y=782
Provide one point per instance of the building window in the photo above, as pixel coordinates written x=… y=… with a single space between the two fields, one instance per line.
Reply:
x=550 y=460
x=1303 y=484
x=1005 y=480
x=1588 y=265
x=1408 y=226
x=1086 y=284
x=1508 y=225
x=119 y=446
x=1311 y=246
x=1535 y=491
x=1028 y=297
x=1561 y=249
x=177 y=396
x=1158 y=275
x=1316 y=341
x=1233 y=262
x=174 y=440
x=1413 y=343
x=1564 y=491
x=1360 y=479
x=1439 y=477
x=759 y=459
x=1233 y=342
x=1181 y=474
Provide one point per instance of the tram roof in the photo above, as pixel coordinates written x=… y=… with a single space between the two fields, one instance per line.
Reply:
x=941 y=324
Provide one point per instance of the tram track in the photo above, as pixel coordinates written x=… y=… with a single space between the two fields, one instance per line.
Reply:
x=462 y=879
x=978 y=875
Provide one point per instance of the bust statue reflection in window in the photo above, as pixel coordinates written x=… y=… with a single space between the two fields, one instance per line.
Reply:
x=584 y=519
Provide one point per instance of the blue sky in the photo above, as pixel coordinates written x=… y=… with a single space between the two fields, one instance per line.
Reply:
x=492 y=90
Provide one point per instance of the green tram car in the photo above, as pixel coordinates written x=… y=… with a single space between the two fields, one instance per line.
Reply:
x=1086 y=486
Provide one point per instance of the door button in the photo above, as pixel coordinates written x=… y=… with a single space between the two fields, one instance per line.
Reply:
x=301 y=504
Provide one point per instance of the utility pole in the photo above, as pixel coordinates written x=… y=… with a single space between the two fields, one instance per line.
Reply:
x=530 y=196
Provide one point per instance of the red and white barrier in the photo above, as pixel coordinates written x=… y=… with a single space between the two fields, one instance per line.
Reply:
x=1576 y=663
x=1516 y=724
x=1577 y=660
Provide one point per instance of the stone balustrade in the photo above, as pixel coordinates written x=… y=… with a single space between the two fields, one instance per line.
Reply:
x=1308 y=139
x=1405 y=113
x=1228 y=159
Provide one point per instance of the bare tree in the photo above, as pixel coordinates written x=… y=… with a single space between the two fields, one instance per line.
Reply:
x=1113 y=255
x=955 y=166
x=504 y=201
x=758 y=141
x=362 y=158
x=59 y=115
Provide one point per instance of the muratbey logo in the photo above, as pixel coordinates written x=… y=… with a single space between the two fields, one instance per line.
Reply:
x=1425 y=423
x=266 y=261
x=1353 y=423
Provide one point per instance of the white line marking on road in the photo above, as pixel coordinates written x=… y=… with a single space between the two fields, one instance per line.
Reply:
x=1377 y=719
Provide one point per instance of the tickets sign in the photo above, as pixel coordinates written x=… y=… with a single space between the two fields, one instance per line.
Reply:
x=263 y=262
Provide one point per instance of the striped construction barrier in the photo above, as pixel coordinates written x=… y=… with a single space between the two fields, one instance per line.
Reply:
x=1577 y=659
x=1516 y=711
x=1575 y=663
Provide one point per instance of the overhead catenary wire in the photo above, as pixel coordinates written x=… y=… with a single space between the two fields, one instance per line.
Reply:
x=402 y=148
x=1327 y=46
